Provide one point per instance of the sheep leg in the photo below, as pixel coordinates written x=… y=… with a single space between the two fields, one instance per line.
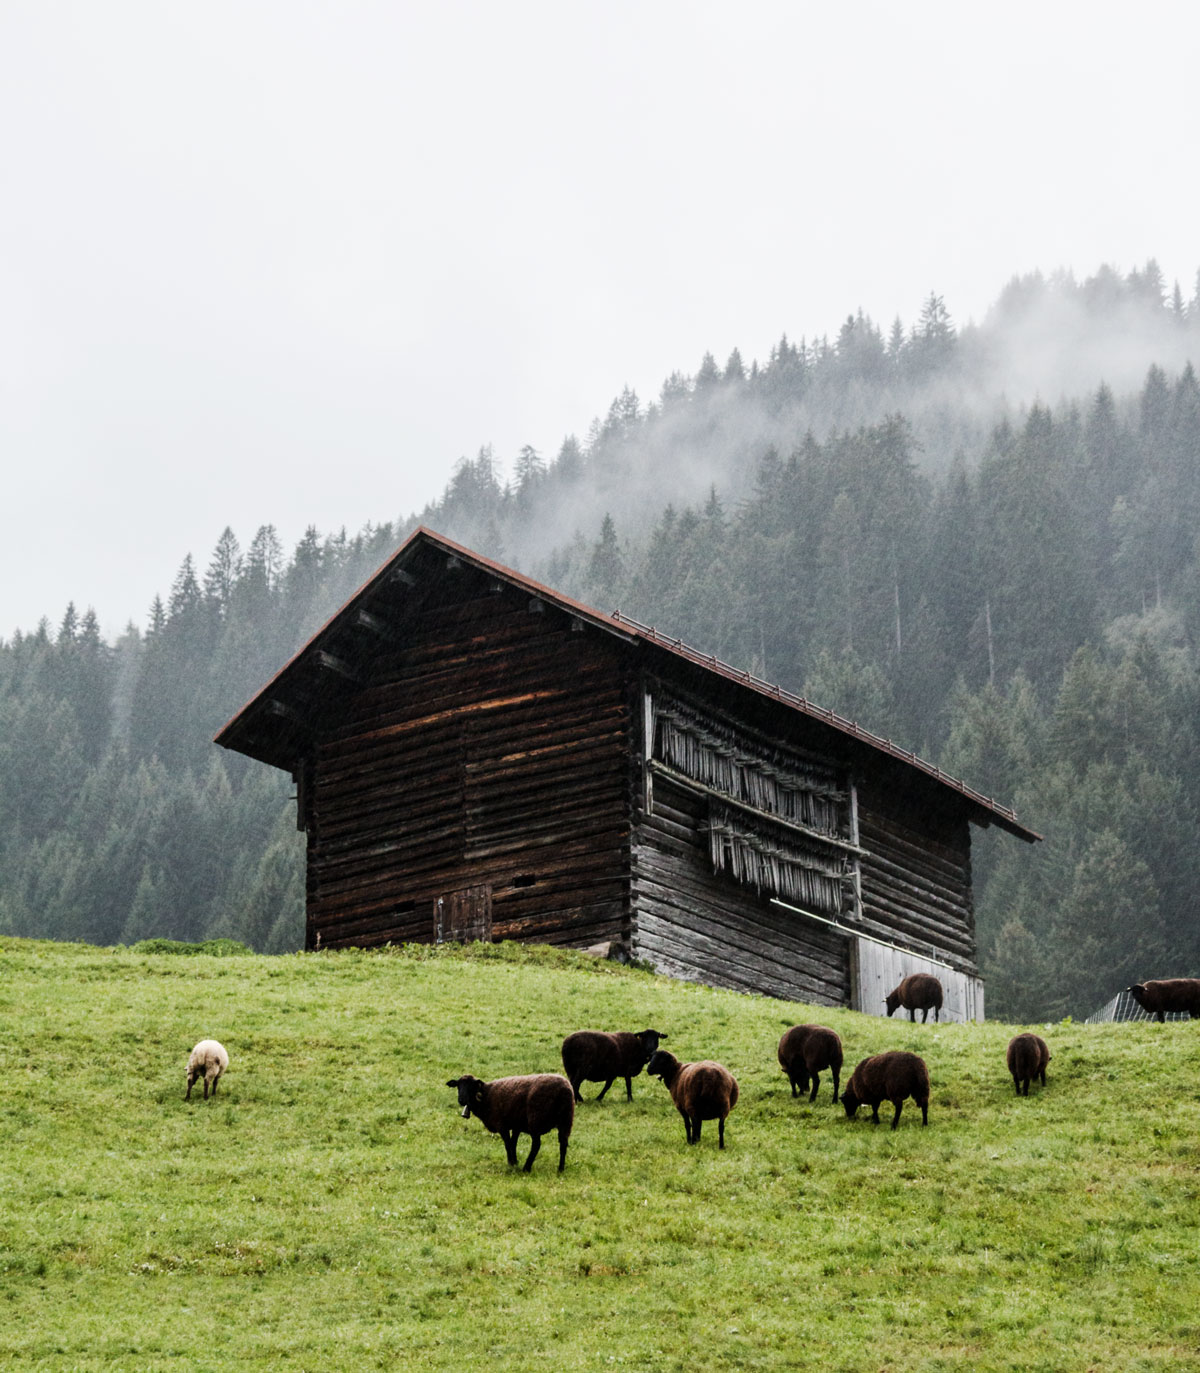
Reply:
x=1158 y=1015
x=816 y=1086
x=925 y=1112
x=912 y=1013
x=575 y=1081
x=792 y=1080
x=1043 y=1076
x=533 y=1152
x=629 y=1089
x=1025 y=1087
x=187 y=1096
x=696 y=1123
x=925 y=1016
x=563 y=1136
x=896 y=1118
x=215 y=1081
x=687 y=1124
x=836 y=1076
x=1016 y=1084
x=607 y=1085
x=510 y=1138
x=206 y=1088
x=721 y=1133
x=875 y=1114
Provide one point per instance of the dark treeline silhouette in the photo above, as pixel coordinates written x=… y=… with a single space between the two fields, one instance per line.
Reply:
x=1012 y=587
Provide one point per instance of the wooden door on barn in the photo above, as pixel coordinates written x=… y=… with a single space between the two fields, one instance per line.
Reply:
x=463 y=916
x=879 y=968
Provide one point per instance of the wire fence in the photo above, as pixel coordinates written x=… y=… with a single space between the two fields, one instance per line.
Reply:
x=1124 y=1007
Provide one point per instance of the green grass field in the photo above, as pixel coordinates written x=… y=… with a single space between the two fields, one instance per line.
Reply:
x=331 y=1210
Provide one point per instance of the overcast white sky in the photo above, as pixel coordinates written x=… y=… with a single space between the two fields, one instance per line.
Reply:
x=285 y=263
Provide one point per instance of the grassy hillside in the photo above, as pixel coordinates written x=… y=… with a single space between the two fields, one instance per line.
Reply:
x=331 y=1210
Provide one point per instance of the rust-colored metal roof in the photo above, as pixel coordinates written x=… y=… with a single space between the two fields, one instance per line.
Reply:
x=984 y=809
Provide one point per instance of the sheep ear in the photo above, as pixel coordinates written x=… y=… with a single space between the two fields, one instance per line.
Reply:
x=453 y=1082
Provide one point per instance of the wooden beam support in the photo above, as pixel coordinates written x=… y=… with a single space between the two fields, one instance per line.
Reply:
x=380 y=628
x=336 y=665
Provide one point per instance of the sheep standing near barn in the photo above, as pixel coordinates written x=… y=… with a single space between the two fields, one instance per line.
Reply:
x=917 y=992
x=601 y=1056
x=208 y=1060
x=804 y=1050
x=1176 y=994
x=701 y=1091
x=514 y=1106
x=892 y=1076
x=1028 y=1055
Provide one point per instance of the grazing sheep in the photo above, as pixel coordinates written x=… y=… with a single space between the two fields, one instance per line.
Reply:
x=207 y=1060
x=1028 y=1055
x=888 y=1077
x=515 y=1106
x=598 y=1056
x=918 y=992
x=700 y=1091
x=1169 y=994
x=804 y=1050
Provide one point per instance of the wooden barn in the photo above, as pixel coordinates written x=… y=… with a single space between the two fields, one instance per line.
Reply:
x=479 y=757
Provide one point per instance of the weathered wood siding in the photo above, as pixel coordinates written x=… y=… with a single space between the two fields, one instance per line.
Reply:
x=486 y=766
x=878 y=970
x=916 y=874
x=703 y=926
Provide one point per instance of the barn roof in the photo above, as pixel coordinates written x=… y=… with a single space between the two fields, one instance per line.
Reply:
x=273 y=725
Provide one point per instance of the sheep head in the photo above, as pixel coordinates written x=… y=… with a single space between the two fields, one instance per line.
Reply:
x=892 y=1000
x=470 y=1093
x=850 y=1098
x=664 y=1065
x=650 y=1040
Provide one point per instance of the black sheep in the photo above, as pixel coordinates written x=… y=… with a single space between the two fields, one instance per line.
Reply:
x=804 y=1050
x=1169 y=994
x=603 y=1056
x=701 y=1091
x=1028 y=1055
x=917 y=992
x=888 y=1077
x=515 y=1106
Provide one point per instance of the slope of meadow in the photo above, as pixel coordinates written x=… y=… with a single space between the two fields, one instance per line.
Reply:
x=330 y=1209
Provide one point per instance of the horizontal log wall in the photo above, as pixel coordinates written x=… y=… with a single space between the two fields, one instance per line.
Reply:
x=491 y=748
x=916 y=882
x=696 y=925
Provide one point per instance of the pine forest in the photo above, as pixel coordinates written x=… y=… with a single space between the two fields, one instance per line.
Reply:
x=982 y=542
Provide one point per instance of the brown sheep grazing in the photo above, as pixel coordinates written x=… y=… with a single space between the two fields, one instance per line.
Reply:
x=701 y=1091
x=804 y=1050
x=208 y=1060
x=888 y=1077
x=598 y=1056
x=1028 y=1055
x=918 y=992
x=515 y=1106
x=1170 y=994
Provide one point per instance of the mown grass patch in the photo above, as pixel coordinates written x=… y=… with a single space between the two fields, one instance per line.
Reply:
x=330 y=1209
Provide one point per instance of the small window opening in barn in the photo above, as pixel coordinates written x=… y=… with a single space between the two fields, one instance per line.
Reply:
x=526 y=879
x=404 y=907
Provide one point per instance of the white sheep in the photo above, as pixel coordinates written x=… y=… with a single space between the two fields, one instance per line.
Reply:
x=207 y=1060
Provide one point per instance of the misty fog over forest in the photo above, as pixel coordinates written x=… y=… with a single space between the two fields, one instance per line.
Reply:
x=982 y=542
